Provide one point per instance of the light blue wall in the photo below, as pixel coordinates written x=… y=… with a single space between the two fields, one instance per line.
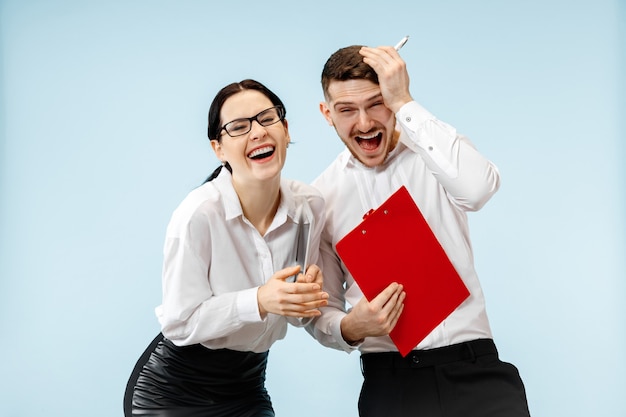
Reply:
x=102 y=112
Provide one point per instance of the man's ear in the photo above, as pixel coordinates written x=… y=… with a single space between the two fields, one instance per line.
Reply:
x=326 y=113
x=217 y=149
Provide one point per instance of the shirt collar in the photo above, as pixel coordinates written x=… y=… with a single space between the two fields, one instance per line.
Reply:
x=232 y=205
x=224 y=184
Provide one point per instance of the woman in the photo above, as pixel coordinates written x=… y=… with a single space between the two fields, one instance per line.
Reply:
x=230 y=250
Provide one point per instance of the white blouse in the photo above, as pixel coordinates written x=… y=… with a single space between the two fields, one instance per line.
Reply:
x=215 y=261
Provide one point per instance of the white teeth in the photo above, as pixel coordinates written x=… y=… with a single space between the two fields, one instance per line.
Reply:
x=368 y=137
x=260 y=151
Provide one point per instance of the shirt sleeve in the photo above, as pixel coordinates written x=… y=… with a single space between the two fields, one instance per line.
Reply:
x=190 y=308
x=326 y=329
x=468 y=177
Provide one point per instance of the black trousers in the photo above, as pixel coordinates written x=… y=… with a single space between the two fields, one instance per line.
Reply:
x=463 y=380
x=194 y=381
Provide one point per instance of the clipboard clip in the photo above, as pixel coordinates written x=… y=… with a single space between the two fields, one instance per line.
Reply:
x=372 y=210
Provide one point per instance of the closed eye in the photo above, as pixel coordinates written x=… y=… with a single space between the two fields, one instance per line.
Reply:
x=238 y=126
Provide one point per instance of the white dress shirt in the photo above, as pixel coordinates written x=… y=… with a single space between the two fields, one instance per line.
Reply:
x=446 y=176
x=215 y=260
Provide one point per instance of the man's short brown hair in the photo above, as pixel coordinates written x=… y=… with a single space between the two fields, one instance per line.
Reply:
x=346 y=64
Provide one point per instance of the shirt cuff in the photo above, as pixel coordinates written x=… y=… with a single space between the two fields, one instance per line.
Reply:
x=247 y=305
x=412 y=115
x=428 y=136
x=335 y=328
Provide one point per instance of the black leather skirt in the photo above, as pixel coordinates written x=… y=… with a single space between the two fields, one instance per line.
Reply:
x=194 y=381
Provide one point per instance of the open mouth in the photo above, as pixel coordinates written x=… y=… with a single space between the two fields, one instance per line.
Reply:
x=370 y=142
x=261 y=153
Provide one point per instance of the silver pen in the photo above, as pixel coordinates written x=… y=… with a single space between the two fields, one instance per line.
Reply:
x=401 y=43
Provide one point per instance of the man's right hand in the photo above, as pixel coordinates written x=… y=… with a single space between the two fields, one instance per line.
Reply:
x=393 y=77
x=375 y=318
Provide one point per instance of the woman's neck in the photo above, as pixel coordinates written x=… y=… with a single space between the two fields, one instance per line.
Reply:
x=259 y=202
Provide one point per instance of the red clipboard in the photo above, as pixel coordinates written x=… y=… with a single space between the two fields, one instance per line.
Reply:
x=394 y=243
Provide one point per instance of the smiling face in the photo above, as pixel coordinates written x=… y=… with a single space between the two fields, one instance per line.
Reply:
x=258 y=155
x=356 y=110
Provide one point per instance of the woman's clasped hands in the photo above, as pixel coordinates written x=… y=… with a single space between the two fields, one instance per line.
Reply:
x=301 y=298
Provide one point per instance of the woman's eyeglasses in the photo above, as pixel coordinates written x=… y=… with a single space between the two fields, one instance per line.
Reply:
x=267 y=117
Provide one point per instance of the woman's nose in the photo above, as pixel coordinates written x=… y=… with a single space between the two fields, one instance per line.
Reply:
x=257 y=131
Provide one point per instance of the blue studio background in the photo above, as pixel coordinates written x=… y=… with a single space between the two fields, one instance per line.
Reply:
x=102 y=115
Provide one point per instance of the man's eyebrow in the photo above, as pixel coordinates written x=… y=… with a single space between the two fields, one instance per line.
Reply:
x=375 y=97
x=342 y=103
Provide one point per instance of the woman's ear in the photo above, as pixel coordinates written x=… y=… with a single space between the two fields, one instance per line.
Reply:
x=286 y=124
x=217 y=149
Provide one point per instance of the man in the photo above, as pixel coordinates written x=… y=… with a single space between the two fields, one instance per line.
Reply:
x=392 y=141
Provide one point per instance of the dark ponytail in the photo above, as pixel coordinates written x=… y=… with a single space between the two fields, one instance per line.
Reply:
x=217 y=171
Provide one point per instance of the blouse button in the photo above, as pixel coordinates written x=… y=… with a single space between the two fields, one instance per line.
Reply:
x=408 y=119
